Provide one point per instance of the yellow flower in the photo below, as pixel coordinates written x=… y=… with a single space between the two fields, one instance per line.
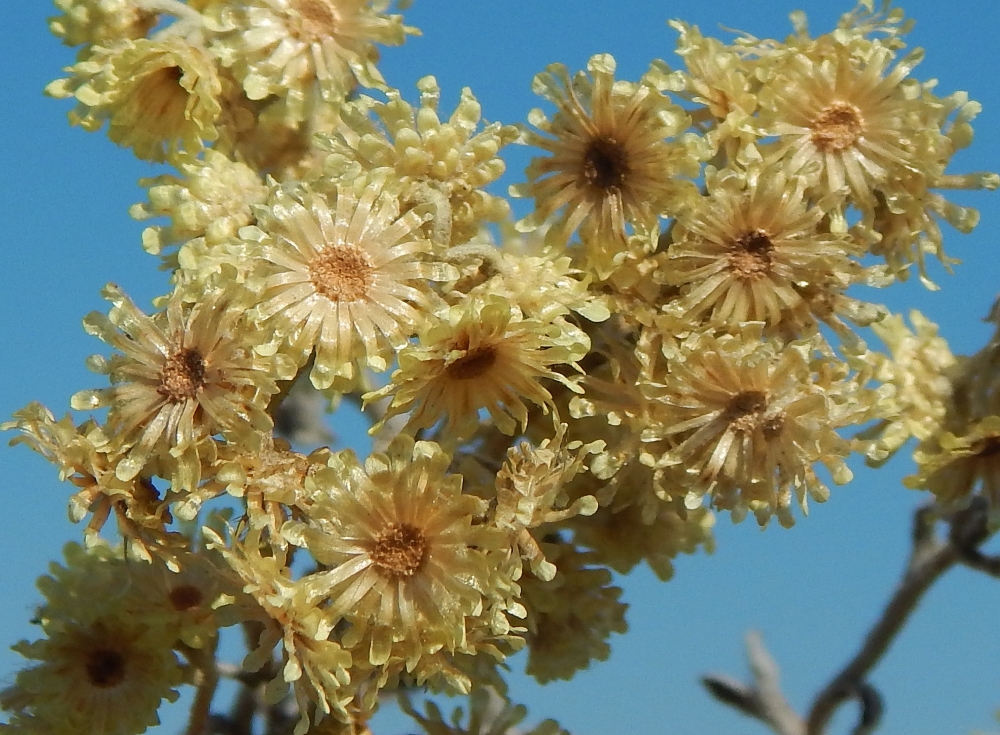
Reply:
x=182 y=376
x=954 y=465
x=316 y=667
x=160 y=98
x=614 y=159
x=746 y=250
x=481 y=354
x=751 y=418
x=347 y=278
x=100 y=22
x=921 y=368
x=213 y=199
x=444 y=165
x=288 y=47
x=853 y=121
x=86 y=459
x=103 y=667
x=407 y=564
x=571 y=617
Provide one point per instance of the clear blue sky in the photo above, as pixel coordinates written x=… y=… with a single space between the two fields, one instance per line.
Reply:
x=813 y=590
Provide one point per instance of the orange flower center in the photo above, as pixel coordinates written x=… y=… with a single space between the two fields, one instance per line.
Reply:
x=105 y=668
x=342 y=273
x=182 y=376
x=744 y=409
x=605 y=164
x=161 y=101
x=838 y=126
x=399 y=551
x=317 y=20
x=751 y=255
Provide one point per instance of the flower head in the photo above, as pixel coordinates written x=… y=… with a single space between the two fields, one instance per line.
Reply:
x=748 y=248
x=347 y=278
x=289 y=47
x=749 y=418
x=614 y=156
x=407 y=560
x=162 y=98
x=481 y=354
x=180 y=377
x=441 y=164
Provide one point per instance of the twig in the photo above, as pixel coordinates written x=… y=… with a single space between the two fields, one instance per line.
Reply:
x=763 y=700
x=929 y=559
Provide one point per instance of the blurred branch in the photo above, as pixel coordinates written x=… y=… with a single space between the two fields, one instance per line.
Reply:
x=930 y=557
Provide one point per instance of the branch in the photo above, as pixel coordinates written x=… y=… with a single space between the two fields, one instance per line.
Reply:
x=763 y=700
x=930 y=557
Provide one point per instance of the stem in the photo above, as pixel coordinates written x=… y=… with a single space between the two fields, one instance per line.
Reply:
x=204 y=660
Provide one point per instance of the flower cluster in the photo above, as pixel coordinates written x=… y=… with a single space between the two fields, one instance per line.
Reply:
x=672 y=332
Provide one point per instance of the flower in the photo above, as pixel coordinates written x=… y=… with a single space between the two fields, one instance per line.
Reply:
x=571 y=617
x=614 y=159
x=481 y=354
x=316 y=667
x=86 y=459
x=954 y=465
x=920 y=367
x=182 y=376
x=745 y=251
x=162 y=98
x=285 y=47
x=444 y=165
x=852 y=118
x=103 y=667
x=213 y=199
x=100 y=22
x=749 y=418
x=407 y=563
x=347 y=279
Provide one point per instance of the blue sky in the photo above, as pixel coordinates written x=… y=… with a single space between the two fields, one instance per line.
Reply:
x=812 y=590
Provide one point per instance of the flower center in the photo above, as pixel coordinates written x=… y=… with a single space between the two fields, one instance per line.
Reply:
x=316 y=20
x=399 y=551
x=744 y=409
x=161 y=101
x=185 y=597
x=605 y=164
x=105 y=668
x=987 y=447
x=182 y=376
x=751 y=255
x=837 y=127
x=473 y=363
x=342 y=273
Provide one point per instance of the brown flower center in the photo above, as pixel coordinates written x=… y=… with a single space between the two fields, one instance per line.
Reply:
x=751 y=254
x=837 y=127
x=342 y=273
x=105 y=667
x=605 y=164
x=744 y=409
x=473 y=363
x=317 y=20
x=161 y=101
x=182 y=376
x=987 y=448
x=185 y=597
x=399 y=551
